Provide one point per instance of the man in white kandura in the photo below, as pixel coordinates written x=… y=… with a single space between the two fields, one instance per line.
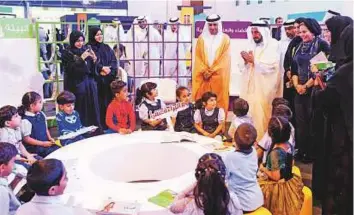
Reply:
x=173 y=51
x=261 y=79
x=145 y=33
x=111 y=33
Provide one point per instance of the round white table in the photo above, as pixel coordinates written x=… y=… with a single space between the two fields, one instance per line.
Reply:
x=104 y=167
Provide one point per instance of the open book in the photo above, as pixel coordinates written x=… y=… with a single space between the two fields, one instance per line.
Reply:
x=178 y=137
x=77 y=133
x=163 y=199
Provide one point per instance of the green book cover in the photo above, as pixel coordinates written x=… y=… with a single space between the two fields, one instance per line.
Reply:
x=163 y=199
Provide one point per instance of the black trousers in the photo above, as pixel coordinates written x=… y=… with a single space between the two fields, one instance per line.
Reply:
x=289 y=94
x=303 y=121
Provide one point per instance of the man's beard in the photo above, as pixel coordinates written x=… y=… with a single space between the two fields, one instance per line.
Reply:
x=290 y=36
x=259 y=40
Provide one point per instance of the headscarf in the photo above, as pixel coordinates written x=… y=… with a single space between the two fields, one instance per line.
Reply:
x=212 y=42
x=313 y=26
x=297 y=39
x=300 y=20
x=287 y=23
x=92 y=33
x=329 y=14
x=173 y=20
x=336 y=25
x=263 y=28
x=74 y=36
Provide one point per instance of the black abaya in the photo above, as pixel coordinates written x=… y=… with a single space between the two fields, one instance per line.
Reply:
x=80 y=80
x=333 y=167
x=105 y=58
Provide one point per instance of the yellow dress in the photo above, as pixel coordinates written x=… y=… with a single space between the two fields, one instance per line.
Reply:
x=284 y=197
x=220 y=79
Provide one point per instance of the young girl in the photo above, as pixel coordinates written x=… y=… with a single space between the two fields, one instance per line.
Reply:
x=282 y=190
x=263 y=146
x=146 y=97
x=209 y=195
x=183 y=121
x=34 y=129
x=209 y=120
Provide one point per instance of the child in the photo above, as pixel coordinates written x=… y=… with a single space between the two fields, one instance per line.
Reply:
x=209 y=195
x=209 y=120
x=240 y=109
x=124 y=66
x=67 y=118
x=10 y=132
x=282 y=190
x=120 y=110
x=146 y=97
x=48 y=179
x=8 y=200
x=183 y=120
x=242 y=166
x=34 y=129
x=280 y=101
x=263 y=147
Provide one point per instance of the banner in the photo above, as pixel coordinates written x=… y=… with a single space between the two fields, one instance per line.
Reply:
x=235 y=29
x=15 y=28
x=168 y=111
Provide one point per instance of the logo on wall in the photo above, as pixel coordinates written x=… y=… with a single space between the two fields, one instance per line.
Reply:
x=235 y=29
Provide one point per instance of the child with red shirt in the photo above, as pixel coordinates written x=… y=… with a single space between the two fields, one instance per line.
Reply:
x=120 y=116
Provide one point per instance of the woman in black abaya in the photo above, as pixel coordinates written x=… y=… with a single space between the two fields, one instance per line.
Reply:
x=79 y=78
x=333 y=168
x=336 y=25
x=107 y=70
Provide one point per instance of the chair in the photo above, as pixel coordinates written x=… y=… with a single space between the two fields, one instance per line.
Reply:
x=260 y=211
x=296 y=171
x=307 y=204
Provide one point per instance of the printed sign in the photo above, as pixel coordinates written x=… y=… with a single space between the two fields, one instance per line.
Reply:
x=235 y=29
x=15 y=28
x=168 y=111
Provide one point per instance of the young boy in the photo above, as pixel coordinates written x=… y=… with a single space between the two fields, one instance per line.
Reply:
x=47 y=178
x=209 y=120
x=67 y=118
x=8 y=200
x=263 y=146
x=240 y=109
x=120 y=116
x=10 y=132
x=242 y=166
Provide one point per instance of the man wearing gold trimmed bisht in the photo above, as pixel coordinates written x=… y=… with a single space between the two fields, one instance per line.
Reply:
x=212 y=63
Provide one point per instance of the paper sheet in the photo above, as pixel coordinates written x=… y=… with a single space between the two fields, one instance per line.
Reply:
x=319 y=58
x=77 y=133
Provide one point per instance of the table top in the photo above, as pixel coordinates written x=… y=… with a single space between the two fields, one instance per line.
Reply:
x=100 y=168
